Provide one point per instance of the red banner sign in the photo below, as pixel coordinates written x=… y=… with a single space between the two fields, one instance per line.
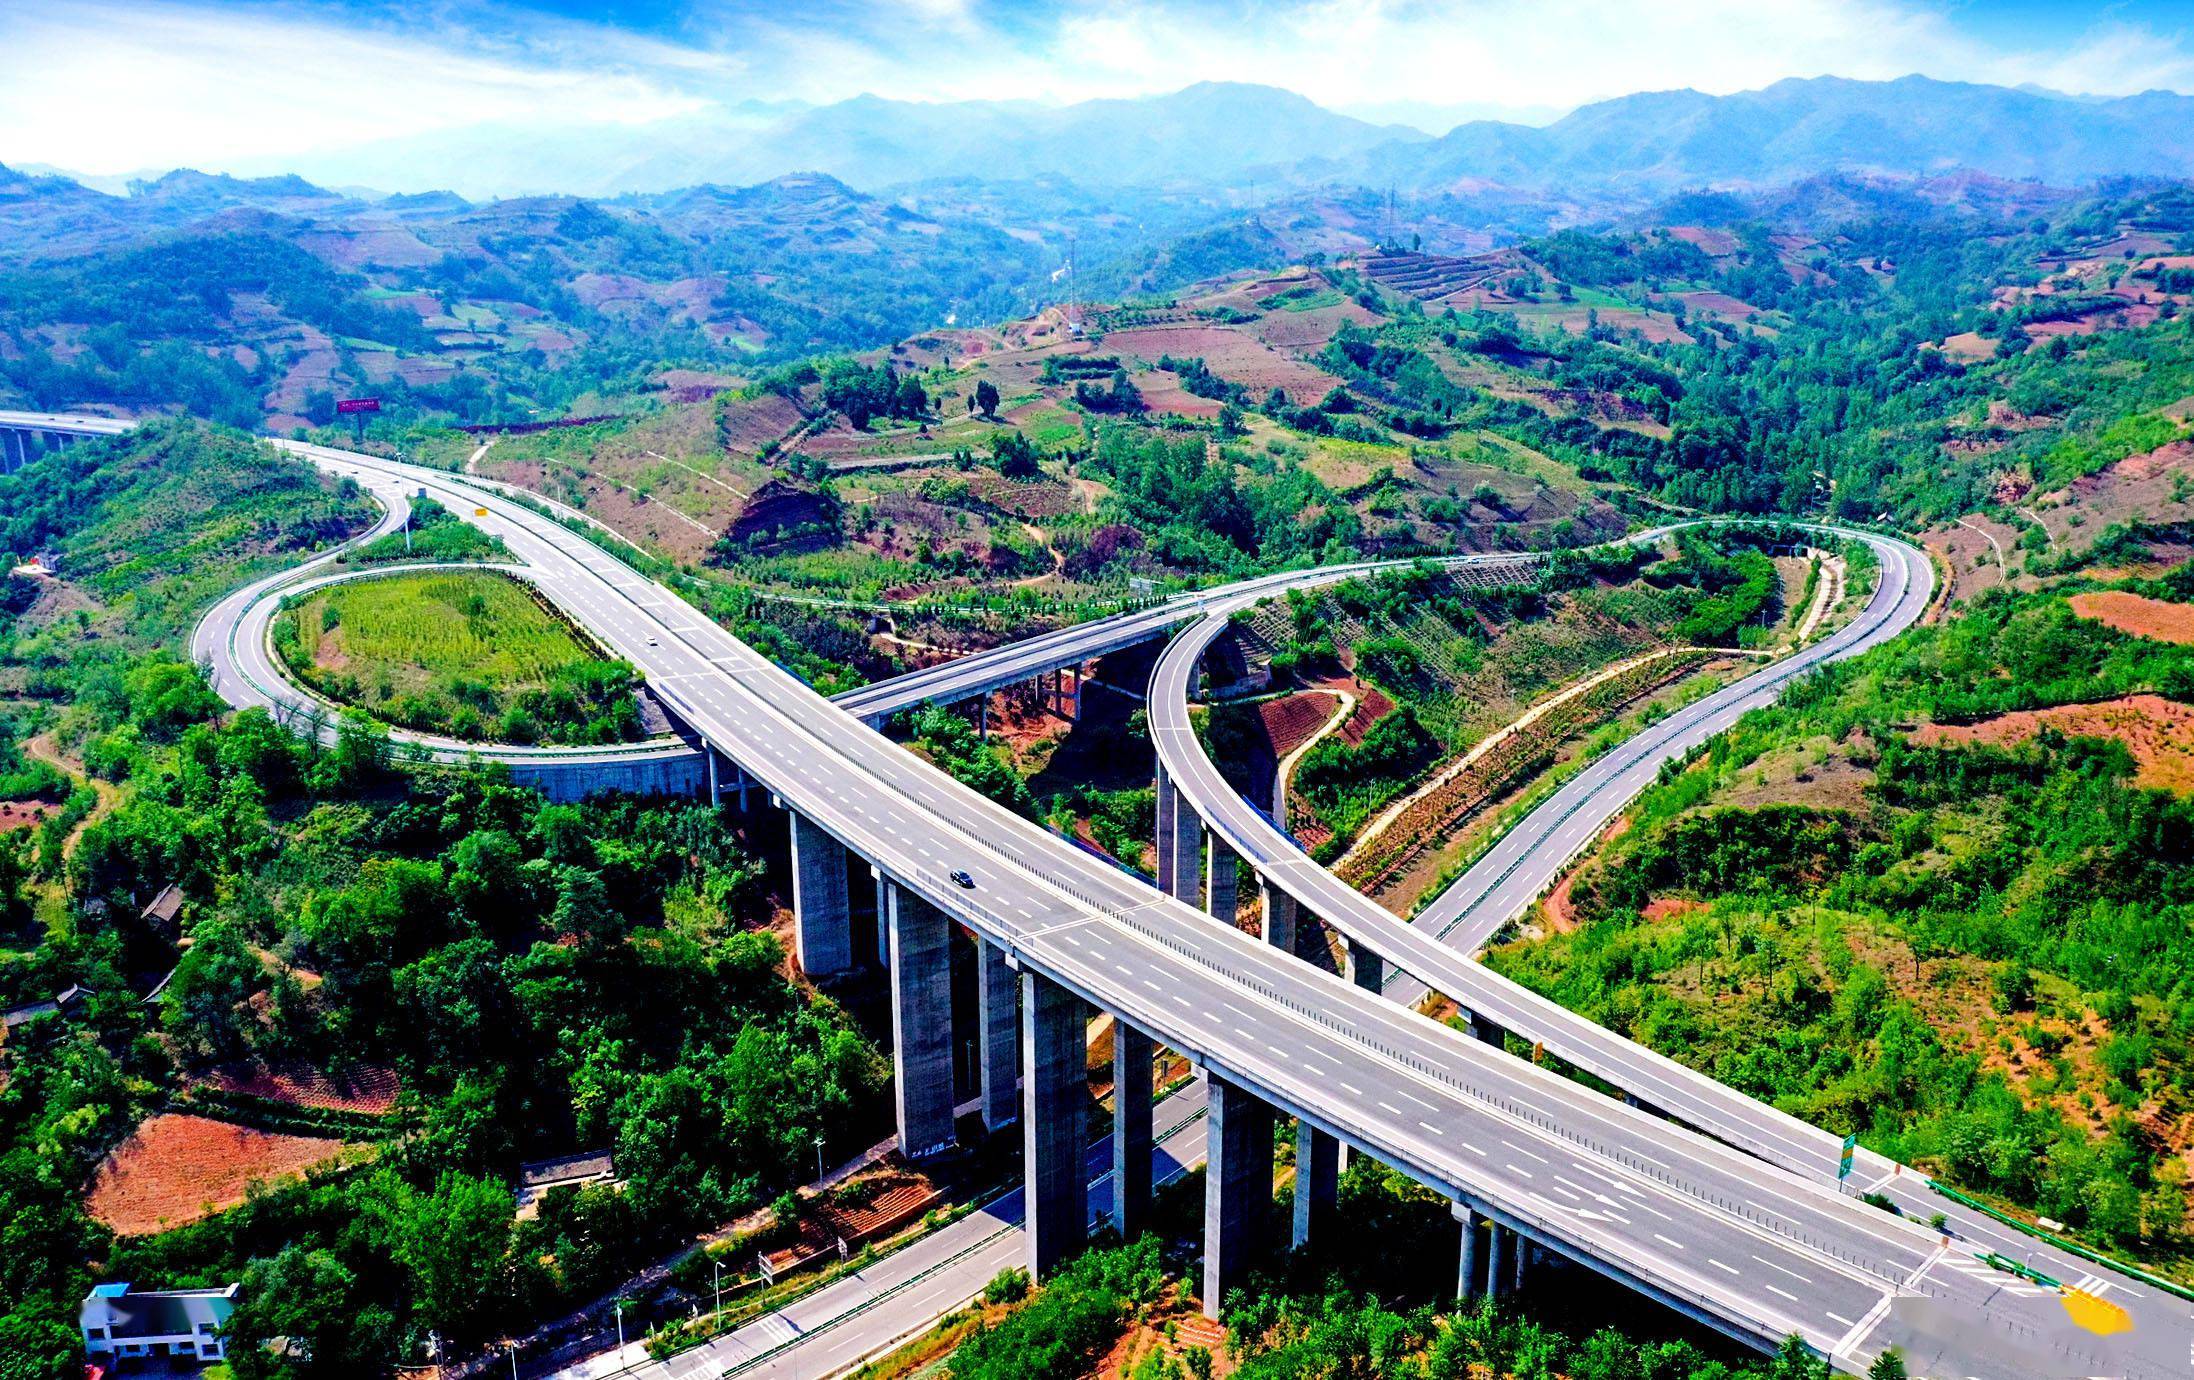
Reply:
x=358 y=405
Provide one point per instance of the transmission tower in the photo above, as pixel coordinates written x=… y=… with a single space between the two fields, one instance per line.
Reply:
x=1070 y=310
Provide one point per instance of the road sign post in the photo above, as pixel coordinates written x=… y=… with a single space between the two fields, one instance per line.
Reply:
x=1843 y=1160
x=356 y=409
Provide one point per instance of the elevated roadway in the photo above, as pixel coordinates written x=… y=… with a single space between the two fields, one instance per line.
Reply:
x=1735 y=1241
x=1406 y=960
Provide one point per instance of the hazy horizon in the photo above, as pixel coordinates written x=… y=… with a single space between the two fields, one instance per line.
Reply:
x=124 y=87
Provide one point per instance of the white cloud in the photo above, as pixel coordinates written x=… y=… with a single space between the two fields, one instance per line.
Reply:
x=119 y=85
x=107 y=88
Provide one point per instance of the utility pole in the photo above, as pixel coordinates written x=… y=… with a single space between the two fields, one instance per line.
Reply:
x=719 y=1291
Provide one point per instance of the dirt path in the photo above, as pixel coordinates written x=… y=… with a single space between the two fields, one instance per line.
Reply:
x=1829 y=594
x=1990 y=538
x=1285 y=771
x=739 y=494
x=46 y=750
x=640 y=498
x=1493 y=740
x=1043 y=541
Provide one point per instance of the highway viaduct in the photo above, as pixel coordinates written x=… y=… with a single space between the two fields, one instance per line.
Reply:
x=1525 y=1156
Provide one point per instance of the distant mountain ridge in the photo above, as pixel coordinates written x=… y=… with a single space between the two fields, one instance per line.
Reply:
x=1214 y=130
x=1235 y=135
x=1913 y=126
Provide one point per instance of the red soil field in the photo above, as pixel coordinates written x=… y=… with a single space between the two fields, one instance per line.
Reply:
x=22 y=814
x=1162 y=392
x=1289 y=722
x=2158 y=732
x=1231 y=354
x=176 y=1168
x=1371 y=706
x=2138 y=614
x=365 y=1089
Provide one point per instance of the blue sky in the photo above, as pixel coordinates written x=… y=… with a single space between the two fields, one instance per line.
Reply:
x=110 y=86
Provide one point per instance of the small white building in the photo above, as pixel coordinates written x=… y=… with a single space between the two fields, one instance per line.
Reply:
x=120 y=1321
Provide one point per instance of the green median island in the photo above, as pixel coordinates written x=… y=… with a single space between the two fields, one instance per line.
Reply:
x=472 y=654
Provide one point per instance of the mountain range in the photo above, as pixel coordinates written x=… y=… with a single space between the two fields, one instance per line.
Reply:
x=1247 y=136
x=1913 y=126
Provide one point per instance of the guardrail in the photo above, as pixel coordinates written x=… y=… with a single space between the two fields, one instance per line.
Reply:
x=2073 y=1248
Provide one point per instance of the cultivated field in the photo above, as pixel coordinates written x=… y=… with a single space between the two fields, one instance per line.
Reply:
x=366 y=1089
x=176 y=1168
x=463 y=652
x=2137 y=614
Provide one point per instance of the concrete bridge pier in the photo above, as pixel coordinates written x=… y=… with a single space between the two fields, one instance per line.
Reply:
x=1277 y=924
x=1186 y=843
x=1054 y=1122
x=725 y=778
x=1317 y=1182
x=1237 y=1186
x=822 y=911
x=998 y=1025
x=1466 y=1265
x=921 y=1021
x=1180 y=843
x=1481 y=1029
x=1494 y=1281
x=1365 y=968
x=1167 y=803
x=1219 y=887
x=1132 y=1054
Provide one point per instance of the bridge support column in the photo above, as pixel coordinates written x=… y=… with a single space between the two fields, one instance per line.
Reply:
x=1466 y=1265
x=1168 y=803
x=1278 y=922
x=1237 y=1186
x=1219 y=886
x=1317 y=1181
x=997 y=1035
x=921 y=1021
x=1180 y=844
x=1132 y=1051
x=1188 y=854
x=715 y=784
x=1054 y=1116
x=1480 y=1028
x=1365 y=968
x=883 y=919
x=820 y=908
x=1493 y=1260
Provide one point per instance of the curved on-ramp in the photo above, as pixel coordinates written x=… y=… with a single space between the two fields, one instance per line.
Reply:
x=1528 y=859
x=1433 y=953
